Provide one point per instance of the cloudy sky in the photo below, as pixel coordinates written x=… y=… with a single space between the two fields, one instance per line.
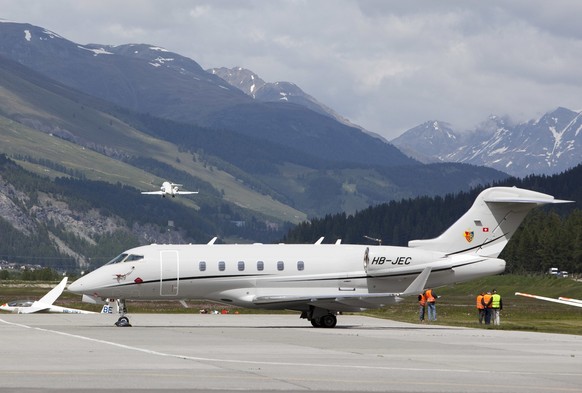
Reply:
x=385 y=65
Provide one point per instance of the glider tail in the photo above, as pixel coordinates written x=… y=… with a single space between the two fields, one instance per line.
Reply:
x=487 y=226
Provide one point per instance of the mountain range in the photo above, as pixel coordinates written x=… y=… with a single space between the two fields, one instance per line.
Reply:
x=548 y=145
x=116 y=120
x=301 y=158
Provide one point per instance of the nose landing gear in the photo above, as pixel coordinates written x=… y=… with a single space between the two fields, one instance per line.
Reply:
x=123 y=321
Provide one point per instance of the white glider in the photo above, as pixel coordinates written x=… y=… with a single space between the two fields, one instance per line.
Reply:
x=561 y=300
x=45 y=304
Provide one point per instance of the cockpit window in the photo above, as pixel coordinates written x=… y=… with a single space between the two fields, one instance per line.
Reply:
x=117 y=259
x=125 y=258
x=21 y=303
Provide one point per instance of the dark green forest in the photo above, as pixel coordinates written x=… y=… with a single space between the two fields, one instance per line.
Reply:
x=549 y=236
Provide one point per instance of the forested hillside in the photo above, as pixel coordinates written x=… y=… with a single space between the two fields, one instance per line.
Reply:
x=551 y=236
x=70 y=223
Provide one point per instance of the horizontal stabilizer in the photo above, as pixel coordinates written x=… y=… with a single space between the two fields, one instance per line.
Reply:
x=539 y=201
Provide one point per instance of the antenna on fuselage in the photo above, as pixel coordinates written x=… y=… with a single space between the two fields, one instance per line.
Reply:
x=379 y=241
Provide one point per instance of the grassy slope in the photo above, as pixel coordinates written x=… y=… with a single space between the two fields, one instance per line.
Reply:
x=18 y=139
x=456 y=307
x=53 y=109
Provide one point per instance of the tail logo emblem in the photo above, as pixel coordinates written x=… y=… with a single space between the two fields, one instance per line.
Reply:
x=469 y=235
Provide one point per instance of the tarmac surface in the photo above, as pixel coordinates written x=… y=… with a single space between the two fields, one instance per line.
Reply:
x=276 y=353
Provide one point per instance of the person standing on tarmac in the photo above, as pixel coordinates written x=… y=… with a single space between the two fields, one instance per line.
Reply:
x=421 y=307
x=480 y=307
x=487 y=305
x=496 y=307
x=431 y=304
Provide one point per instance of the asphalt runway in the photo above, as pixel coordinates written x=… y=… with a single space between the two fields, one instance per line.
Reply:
x=276 y=353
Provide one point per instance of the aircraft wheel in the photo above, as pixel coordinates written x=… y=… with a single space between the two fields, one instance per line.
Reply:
x=328 y=321
x=123 y=322
x=316 y=322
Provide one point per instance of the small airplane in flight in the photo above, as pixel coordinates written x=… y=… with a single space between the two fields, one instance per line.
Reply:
x=562 y=300
x=171 y=189
x=318 y=280
x=45 y=304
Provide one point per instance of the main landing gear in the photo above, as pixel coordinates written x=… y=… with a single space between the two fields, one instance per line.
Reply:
x=320 y=317
x=123 y=321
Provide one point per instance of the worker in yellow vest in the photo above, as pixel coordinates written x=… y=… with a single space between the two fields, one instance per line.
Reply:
x=431 y=304
x=480 y=307
x=496 y=307
x=421 y=307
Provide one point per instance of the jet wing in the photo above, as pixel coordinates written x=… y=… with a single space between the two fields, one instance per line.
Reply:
x=153 y=192
x=186 y=192
x=347 y=300
x=569 y=302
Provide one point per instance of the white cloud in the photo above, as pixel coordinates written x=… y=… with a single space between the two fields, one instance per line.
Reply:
x=386 y=65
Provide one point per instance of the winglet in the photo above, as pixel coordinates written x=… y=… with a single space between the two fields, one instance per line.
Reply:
x=417 y=286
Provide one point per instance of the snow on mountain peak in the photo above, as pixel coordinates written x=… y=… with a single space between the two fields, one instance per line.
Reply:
x=547 y=145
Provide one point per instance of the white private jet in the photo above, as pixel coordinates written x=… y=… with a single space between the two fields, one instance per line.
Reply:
x=317 y=280
x=45 y=304
x=171 y=189
x=562 y=300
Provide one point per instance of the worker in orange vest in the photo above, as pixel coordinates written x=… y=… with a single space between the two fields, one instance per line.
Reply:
x=487 y=300
x=431 y=304
x=480 y=307
x=422 y=307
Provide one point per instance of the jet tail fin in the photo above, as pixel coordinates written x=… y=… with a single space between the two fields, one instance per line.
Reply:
x=488 y=225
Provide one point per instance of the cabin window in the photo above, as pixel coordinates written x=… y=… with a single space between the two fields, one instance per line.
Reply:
x=300 y=265
x=280 y=265
x=260 y=266
x=241 y=266
x=221 y=266
x=202 y=266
